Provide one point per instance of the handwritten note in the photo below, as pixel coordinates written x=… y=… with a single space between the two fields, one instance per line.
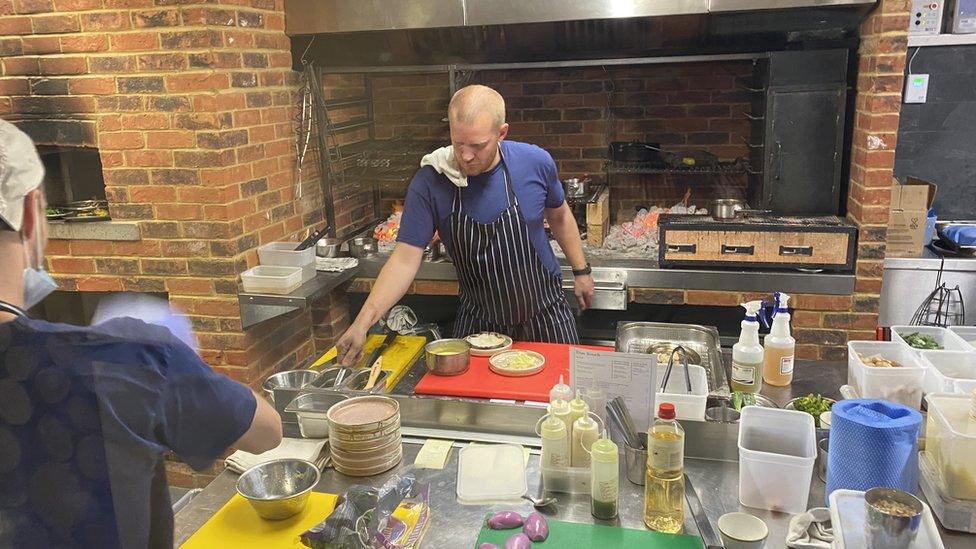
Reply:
x=629 y=375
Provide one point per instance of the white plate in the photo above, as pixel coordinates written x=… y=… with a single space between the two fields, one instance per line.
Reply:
x=489 y=351
x=496 y=364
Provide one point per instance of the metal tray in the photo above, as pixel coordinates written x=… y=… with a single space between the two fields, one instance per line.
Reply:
x=638 y=337
x=311 y=409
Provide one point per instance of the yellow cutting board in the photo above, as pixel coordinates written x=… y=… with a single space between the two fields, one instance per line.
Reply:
x=397 y=358
x=237 y=525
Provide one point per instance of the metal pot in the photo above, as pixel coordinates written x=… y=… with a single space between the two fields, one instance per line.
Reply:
x=328 y=247
x=432 y=253
x=576 y=187
x=362 y=246
x=451 y=362
x=728 y=208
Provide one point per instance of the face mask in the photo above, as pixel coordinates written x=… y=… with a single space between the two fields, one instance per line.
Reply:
x=37 y=283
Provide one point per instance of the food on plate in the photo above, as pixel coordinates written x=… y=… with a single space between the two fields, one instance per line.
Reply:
x=536 y=527
x=486 y=340
x=891 y=507
x=503 y=520
x=921 y=341
x=97 y=212
x=54 y=212
x=878 y=361
x=813 y=405
x=518 y=360
x=448 y=348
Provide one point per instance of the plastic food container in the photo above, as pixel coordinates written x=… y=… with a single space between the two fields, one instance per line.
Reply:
x=902 y=385
x=283 y=254
x=950 y=442
x=948 y=340
x=777 y=451
x=848 y=517
x=271 y=280
x=966 y=333
x=954 y=514
x=568 y=480
x=687 y=406
x=489 y=473
x=949 y=371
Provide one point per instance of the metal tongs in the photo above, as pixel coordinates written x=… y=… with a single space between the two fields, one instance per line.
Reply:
x=684 y=365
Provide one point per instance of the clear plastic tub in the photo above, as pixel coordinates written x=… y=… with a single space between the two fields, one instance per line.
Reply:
x=954 y=514
x=902 y=385
x=490 y=473
x=948 y=371
x=687 y=406
x=950 y=441
x=966 y=333
x=568 y=480
x=283 y=254
x=777 y=450
x=271 y=280
x=949 y=341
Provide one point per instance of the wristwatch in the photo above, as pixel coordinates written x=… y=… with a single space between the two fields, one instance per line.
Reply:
x=584 y=271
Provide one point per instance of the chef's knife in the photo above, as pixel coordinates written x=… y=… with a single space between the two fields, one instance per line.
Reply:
x=709 y=538
x=375 y=353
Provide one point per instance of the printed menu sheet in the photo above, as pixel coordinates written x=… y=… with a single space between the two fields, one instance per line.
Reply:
x=630 y=375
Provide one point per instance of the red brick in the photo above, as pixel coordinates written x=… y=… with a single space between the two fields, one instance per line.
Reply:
x=139 y=41
x=196 y=82
x=121 y=140
x=92 y=247
x=100 y=85
x=170 y=140
x=141 y=248
x=104 y=21
x=63 y=65
x=33 y=6
x=55 y=24
x=145 y=121
x=807 y=319
x=813 y=302
x=808 y=352
x=86 y=43
x=20 y=66
x=152 y=194
x=699 y=297
x=149 y=159
x=99 y=284
x=868 y=285
x=14 y=86
x=77 y=5
x=436 y=287
x=15 y=25
x=189 y=286
x=179 y=212
x=71 y=265
x=41 y=44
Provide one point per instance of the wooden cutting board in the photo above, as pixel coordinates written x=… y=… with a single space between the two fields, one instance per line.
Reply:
x=480 y=382
x=238 y=525
x=598 y=536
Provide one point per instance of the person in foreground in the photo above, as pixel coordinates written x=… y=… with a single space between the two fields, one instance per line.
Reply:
x=489 y=200
x=86 y=413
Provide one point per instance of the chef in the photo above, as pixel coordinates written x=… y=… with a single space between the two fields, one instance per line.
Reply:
x=488 y=199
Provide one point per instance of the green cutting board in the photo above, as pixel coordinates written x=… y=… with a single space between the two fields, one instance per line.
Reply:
x=580 y=536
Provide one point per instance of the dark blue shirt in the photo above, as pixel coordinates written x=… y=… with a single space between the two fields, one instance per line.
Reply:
x=85 y=416
x=533 y=178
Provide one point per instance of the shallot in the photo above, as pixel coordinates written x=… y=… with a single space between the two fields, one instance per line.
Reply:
x=518 y=541
x=503 y=520
x=487 y=546
x=536 y=528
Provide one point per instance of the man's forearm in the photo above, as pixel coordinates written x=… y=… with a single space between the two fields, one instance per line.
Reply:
x=563 y=226
x=392 y=283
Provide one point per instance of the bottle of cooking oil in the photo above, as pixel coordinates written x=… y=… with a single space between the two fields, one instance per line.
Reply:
x=747 y=353
x=664 y=486
x=779 y=346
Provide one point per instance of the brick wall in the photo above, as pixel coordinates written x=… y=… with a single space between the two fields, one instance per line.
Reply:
x=192 y=108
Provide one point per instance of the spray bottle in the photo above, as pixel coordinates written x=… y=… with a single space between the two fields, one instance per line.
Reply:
x=780 y=345
x=747 y=353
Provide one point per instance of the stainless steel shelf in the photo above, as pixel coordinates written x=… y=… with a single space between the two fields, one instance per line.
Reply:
x=256 y=308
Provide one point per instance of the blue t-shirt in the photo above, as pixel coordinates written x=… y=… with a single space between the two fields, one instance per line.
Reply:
x=533 y=178
x=85 y=416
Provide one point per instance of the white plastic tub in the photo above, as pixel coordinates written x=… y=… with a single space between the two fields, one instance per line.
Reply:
x=950 y=441
x=271 y=280
x=283 y=254
x=966 y=333
x=777 y=450
x=902 y=385
x=568 y=480
x=687 y=406
x=948 y=371
x=949 y=341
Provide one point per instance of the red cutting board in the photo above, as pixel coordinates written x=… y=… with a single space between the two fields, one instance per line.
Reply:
x=480 y=382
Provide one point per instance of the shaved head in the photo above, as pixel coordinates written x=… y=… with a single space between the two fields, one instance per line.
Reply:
x=473 y=102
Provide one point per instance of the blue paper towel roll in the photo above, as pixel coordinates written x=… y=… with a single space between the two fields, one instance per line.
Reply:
x=872 y=443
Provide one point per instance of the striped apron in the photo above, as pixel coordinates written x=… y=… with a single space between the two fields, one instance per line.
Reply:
x=504 y=286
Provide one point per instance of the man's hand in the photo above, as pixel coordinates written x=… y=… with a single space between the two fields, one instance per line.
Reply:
x=583 y=288
x=350 y=346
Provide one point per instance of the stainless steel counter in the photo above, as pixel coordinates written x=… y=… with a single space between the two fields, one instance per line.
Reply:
x=711 y=465
x=256 y=308
x=908 y=280
x=641 y=273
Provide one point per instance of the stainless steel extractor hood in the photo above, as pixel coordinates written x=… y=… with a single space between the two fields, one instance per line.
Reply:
x=341 y=16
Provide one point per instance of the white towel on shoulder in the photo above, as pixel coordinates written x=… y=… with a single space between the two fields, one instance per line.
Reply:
x=444 y=161
x=295 y=448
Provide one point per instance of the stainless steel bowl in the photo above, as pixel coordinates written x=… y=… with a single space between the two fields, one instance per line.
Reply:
x=278 y=489
x=328 y=247
x=289 y=379
x=728 y=208
x=885 y=530
x=362 y=246
x=448 y=364
x=432 y=253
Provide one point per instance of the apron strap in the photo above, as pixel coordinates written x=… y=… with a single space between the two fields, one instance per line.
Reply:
x=12 y=309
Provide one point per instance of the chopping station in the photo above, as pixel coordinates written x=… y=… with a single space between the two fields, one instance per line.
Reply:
x=501 y=274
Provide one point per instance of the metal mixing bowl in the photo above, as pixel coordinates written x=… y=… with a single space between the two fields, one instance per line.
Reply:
x=289 y=379
x=278 y=489
x=451 y=364
x=328 y=247
x=362 y=246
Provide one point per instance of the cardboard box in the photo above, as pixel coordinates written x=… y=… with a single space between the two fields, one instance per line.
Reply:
x=910 y=205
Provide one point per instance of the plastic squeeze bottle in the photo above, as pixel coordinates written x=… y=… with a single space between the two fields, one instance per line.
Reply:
x=604 y=479
x=560 y=391
x=555 y=442
x=561 y=410
x=780 y=345
x=747 y=353
x=585 y=433
x=577 y=409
